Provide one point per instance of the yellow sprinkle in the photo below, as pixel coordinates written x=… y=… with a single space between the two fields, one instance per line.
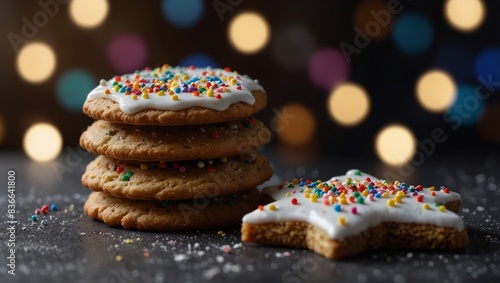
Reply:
x=107 y=91
x=223 y=235
x=229 y=78
x=343 y=201
x=333 y=199
x=145 y=95
x=233 y=82
x=391 y=203
x=144 y=166
x=348 y=180
x=287 y=195
x=398 y=199
x=223 y=78
x=442 y=208
x=342 y=221
x=365 y=193
x=134 y=97
x=432 y=188
x=320 y=186
x=385 y=195
x=161 y=93
x=203 y=80
x=185 y=77
x=220 y=232
x=306 y=195
x=396 y=183
x=210 y=93
x=118 y=258
x=295 y=181
x=175 y=97
x=307 y=190
x=342 y=195
x=116 y=88
x=400 y=194
x=128 y=241
x=211 y=73
x=426 y=206
x=314 y=197
x=272 y=207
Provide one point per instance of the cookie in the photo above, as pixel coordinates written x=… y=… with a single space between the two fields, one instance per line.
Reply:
x=171 y=96
x=176 y=180
x=350 y=214
x=156 y=143
x=172 y=216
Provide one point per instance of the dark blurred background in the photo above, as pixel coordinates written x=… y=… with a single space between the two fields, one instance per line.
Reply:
x=337 y=73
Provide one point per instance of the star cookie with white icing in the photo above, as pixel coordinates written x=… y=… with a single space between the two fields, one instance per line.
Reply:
x=350 y=214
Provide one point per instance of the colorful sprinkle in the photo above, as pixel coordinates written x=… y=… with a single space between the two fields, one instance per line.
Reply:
x=342 y=220
x=294 y=201
x=273 y=207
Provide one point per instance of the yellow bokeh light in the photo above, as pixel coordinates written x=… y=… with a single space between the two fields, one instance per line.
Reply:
x=36 y=62
x=294 y=124
x=249 y=32
x=42 y=142
x=88 y=13
x=465 y=15
x=348 y=104
x=436 y=90
x=395 y=144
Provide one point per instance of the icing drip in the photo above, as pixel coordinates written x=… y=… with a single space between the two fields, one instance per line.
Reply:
x=177 y=88
x=347 y=205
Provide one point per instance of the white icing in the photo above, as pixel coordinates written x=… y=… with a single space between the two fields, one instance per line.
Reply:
x=185 y=99
x=369 y=214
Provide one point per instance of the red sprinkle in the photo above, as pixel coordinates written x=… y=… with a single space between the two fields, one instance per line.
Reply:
x=260 y=207
x=215 y=135
x=354 y=210
x=295 y=201
x=45 y=209
x=420 y=198
x=446 y=190
x=419 y=187
x=119 y=169
x=227 y=69
x=218 y=96
x=433 y=194
x=238 y=87
x=211 y=169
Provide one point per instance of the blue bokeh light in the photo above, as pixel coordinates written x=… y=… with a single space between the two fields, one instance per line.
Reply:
x=72 y=89
x=412 y=33
x=183 y=13
x=468 y=107
x=199 y=60
x=487 y=68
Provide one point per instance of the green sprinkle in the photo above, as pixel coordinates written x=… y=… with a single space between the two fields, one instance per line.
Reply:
x=129 y=173
x=355 y=194
x=361 y=200
x=125 y=178
x=291 y=185
x=357 y=172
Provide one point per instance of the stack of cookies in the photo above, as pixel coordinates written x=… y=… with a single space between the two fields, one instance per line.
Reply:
x=177 y=149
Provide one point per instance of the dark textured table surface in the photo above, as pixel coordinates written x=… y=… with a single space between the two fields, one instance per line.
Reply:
x=70 y=247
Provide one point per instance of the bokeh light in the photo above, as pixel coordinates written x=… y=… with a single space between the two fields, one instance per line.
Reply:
x=412 y=33
x=3 y=130
x=249 y=32
x=72 y=89
x=468 y=106
x=42 y=142
x=292 y=46
x=486 y=67
x=465 y=15
x=295 y=125
x=395 y=144
x=183 y=13
x=36 y=62
x=199 y=60
x=488 y=126
x=372 y=17
x=457 y=59
x=348 y=104
x=88 y=13
x=127 y=52
x=435 y=90
x=328 y=67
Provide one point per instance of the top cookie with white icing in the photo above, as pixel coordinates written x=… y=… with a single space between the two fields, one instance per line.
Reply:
x=176 y=96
